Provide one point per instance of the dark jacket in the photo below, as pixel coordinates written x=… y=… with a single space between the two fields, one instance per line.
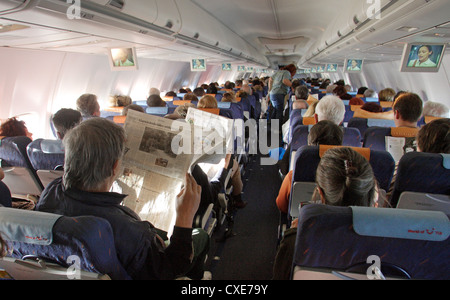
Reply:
x=139 y=248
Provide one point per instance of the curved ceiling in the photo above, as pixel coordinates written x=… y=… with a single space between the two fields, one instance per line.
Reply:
x=304 y=32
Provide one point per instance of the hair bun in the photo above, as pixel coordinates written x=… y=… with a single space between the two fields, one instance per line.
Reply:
x=350 y=170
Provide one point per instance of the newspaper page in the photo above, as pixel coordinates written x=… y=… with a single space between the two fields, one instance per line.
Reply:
x=398 y=146
x=159 y=152
x=152 y=173
x=216 y=137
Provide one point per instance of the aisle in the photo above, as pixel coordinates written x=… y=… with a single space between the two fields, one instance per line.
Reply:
x=249 y=255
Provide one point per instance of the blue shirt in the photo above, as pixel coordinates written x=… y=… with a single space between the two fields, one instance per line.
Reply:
x=139 y=248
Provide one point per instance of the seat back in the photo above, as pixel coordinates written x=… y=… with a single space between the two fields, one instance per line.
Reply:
x=364 y=124
x=424 y=201
x=352 y=137
x=20 y=175
x=375 y=137
x=45 y=154
x=422 y=173
x=13 y=152
x=307 y=159
x=60 y=239
x=414 y=243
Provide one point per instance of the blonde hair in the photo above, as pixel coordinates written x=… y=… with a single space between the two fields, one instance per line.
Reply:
x=207 y=101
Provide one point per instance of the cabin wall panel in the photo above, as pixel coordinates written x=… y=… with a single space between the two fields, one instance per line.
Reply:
x=40 y=82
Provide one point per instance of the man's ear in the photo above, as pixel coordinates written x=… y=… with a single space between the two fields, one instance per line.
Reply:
x=60 y=135
x=316 y=117
x=322 y=195
x=116 y=167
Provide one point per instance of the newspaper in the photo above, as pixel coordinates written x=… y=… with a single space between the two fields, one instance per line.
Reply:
x=398 y=146
x=159 y=152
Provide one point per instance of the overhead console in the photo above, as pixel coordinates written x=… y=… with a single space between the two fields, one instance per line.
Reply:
x=145 y=22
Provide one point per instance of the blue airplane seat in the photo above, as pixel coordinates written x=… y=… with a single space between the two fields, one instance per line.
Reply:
x=423 y=173
x=45 y=154
x=55 y=238
x=307 y=159
x=409 y=243
x=20 y=175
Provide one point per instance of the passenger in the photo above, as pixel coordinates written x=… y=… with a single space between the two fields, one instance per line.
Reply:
x=279 y=85
x=120 y=101
x=323 y=133
x=369 y=93
x=93 y=157
x=212 y=89
x=372 y=107
x=180 y=112
x=407 y=110
x=342 y=93
x=434 y=137
x=64 y=120
x=190 y=97
x=362 y=90
x=199 y=92
x=132 y=107
x=356 y=101
x=207 y=101
x=88 y=106
x=344 y=178
x=386 y=95
x=301 y=95
x=330 y=108
x=154 y=91
x=13 y=127
x=155 y=101
x=331 y=88
x=435 y=109
x=229 y=97
x=171 y=94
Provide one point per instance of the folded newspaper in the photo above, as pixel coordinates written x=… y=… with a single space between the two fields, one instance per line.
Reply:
x=160 y=151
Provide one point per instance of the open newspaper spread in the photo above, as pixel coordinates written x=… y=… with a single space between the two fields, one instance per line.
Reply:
x=158 y=154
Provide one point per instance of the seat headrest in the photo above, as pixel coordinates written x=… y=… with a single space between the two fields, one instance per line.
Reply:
x=223 y=104
x=363 y=151
x=380 y=122
x=157 y=110
x=404 y=131
x=52 y=146
x=24 y=226
x=401 y=223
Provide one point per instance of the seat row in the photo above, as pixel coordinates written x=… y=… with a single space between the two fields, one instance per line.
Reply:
x=406 y=241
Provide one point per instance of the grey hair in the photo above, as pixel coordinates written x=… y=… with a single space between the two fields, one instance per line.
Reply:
x=331 y=108
x=435 y=109
x=87 y=105
x=369 y=93
x=302 y=92
x=91 y=150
